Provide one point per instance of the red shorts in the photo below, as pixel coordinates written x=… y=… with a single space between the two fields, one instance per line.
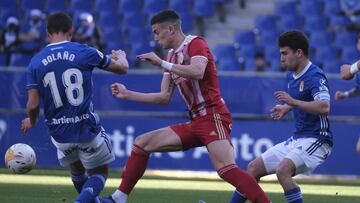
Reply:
x=203 y=130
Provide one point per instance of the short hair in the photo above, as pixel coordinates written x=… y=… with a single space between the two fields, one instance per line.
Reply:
x=165 y=16
x=59 y=22
x=294 y=39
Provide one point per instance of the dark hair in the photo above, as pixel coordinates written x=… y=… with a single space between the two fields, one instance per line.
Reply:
x=294 y=39
x=165 y=16
x=59 y=22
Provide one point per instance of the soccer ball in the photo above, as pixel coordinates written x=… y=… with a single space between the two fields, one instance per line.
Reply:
x=20 y=158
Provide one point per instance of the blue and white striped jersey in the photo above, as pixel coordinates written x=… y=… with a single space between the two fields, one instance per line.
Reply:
x=309 y=85
x=62 y=73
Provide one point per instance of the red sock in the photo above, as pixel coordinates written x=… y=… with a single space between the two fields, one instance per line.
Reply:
x=244 y=183
x=134 y=169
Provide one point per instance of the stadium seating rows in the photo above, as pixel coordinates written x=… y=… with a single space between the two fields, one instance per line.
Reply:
x=129 y=19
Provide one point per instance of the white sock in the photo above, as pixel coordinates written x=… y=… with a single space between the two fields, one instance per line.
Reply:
x=119 y=197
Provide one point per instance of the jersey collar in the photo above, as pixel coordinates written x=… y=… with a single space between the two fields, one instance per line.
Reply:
x=302 y=72
x=57 y=43
x=187 y=39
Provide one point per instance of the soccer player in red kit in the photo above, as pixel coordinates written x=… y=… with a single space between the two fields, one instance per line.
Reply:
x=190 y=67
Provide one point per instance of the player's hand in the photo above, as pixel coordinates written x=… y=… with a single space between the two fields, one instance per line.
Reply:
x=284 y=97
x=26 y=125
x=119 y=90
x=278 y=112
x=117 y=54
x=339 y=95
x=345 y=72
x=151 y=57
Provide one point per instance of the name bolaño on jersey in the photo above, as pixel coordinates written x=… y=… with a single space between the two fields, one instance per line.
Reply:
x=62 y=73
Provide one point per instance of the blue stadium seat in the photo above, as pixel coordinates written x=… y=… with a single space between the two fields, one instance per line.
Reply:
x=338 y=22
x=325 y=53
x=310 y=8
x=345 y=39
x=321 y=38
x=81 y=6
x=138 y=35
x=187 y=21
x=180 y=6
x=20 y=59
x=204 y=8
x=28 y=5
x=52 y=6
x=133 y=20
x=265 y=23
x=332 y=66
x=130 y=6
x=248 y=51
x=106 y=6
x=229 y=64
x=242 y=38
x=2 y=59
x=315 y=24
x=275 y=65
x=289 y=22
x=249 y=64
x=272 y=53
x=113 y=42
x=108 y=20
x=350 y=54
x=269 y=38
x=151 y=7
x=222 y=51
x=287 y=8
x=332 y=7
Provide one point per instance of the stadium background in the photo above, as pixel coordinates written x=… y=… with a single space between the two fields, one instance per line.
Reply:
x=236 y=35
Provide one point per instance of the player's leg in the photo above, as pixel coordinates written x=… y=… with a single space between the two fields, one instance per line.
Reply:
x=222 y=157
x=78 y=175
x=161 y=140
x=305 y=156
x=263 y=165
x=95 y=156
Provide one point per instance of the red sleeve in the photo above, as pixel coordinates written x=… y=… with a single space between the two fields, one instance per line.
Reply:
x=198 y=47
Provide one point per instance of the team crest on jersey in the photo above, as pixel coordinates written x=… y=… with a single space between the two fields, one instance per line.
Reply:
x=301 y=88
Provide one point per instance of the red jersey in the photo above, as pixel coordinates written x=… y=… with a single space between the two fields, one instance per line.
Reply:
x=201 y=96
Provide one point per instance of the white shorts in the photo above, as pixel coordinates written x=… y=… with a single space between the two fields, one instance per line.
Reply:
x=92 y=154
x=305 y=153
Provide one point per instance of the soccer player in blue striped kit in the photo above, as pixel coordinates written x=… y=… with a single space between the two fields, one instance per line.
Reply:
x=308 y=97
x=61 y=76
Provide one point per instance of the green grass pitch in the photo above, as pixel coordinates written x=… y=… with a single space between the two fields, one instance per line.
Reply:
x=47 y=186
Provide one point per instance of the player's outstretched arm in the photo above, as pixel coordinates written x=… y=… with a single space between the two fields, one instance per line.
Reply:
x=195 y=70
x=354 y=92
x=318 y=107
x=347 y=71
x=163 y=97
x=118 y=63
x=33 y=109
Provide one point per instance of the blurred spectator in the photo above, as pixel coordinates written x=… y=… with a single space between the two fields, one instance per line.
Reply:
x=351 y=9
x=88 y=32
x=260 y=63
x=33 y=37
x=9 y=40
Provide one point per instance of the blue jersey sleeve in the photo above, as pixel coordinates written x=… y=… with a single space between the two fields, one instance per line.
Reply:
x=97 y=59
x=319 y=87
x=31 y=78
